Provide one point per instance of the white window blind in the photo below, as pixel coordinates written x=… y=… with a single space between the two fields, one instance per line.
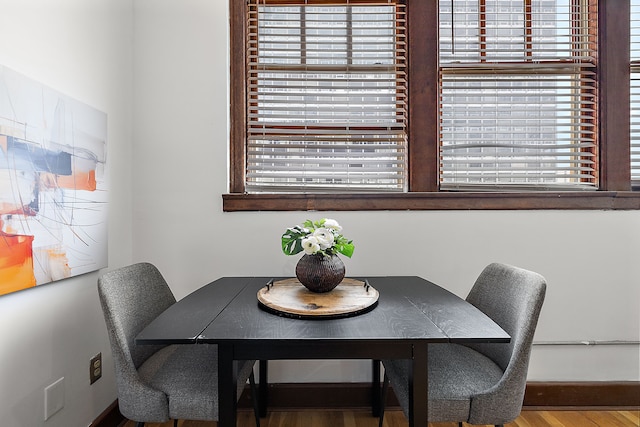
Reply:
x=326 y=96
x=635 y=93
x=518 y=95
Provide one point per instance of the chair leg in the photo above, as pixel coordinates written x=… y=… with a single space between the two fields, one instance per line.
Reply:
x=175 y=423
x=254 y=397
x=140 y=424
x=383 y=398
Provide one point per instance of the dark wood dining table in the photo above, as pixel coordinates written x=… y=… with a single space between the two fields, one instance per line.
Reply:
x=411 y=313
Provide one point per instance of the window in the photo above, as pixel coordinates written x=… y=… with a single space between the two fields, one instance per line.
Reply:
x=518 y=95
x=352 y=105
x=327 y=97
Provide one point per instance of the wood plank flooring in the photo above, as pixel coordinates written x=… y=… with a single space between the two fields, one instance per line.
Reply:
x=363 y=418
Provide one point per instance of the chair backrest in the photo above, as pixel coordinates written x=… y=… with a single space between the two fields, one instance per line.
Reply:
x=513 y=298
x=131 y=297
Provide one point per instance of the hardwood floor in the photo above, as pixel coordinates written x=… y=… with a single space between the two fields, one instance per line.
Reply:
x=396 y=419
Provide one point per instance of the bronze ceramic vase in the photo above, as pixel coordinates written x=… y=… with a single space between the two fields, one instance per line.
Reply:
x=320 y=273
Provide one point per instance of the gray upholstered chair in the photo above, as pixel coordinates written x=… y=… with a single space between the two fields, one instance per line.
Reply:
x=481 y=383
x=158 y=383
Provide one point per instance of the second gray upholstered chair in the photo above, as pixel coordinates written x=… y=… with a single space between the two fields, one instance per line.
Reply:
x=481 y=383
x=158 y=383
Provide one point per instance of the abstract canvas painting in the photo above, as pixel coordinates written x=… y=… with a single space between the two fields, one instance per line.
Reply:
x=53 y=195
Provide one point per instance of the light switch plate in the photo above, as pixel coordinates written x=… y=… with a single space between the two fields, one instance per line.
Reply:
x=53 y=398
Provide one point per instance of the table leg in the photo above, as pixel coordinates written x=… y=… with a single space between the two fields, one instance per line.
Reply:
x=418 y=387
x=375 y=388
x=227 y=386
x=263 y=391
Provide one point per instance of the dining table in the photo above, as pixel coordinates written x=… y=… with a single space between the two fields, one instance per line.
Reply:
x=410 y=314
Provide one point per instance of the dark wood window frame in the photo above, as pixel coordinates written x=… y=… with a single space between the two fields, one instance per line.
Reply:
x=422 y=22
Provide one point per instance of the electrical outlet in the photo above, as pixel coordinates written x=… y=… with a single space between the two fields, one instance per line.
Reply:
x=53 y=398
x=95 y=368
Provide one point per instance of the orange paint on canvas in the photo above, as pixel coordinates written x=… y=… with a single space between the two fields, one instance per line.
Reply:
x=12 y=209
x=16 y=263
x=78 y=181
x=9 y=208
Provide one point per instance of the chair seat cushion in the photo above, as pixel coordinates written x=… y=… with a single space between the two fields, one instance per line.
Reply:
x=188 y=375
x=456 y=374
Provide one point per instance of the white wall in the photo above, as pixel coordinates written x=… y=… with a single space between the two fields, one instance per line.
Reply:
x=181 y=149
x=81 y=48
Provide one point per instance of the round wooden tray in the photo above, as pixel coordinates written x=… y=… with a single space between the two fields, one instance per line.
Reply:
x=290 y=298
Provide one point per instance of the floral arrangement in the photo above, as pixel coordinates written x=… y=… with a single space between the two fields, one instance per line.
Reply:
x=317 y=237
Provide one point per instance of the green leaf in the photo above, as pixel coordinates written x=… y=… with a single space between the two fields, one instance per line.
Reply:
x=291 y=241
x=346 y=249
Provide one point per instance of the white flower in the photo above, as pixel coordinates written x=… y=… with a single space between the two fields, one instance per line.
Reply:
x=310 y=245
x=324 y=237
x=332 y=224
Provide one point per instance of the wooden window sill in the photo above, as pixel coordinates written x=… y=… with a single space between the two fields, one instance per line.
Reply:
x=597 y=200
